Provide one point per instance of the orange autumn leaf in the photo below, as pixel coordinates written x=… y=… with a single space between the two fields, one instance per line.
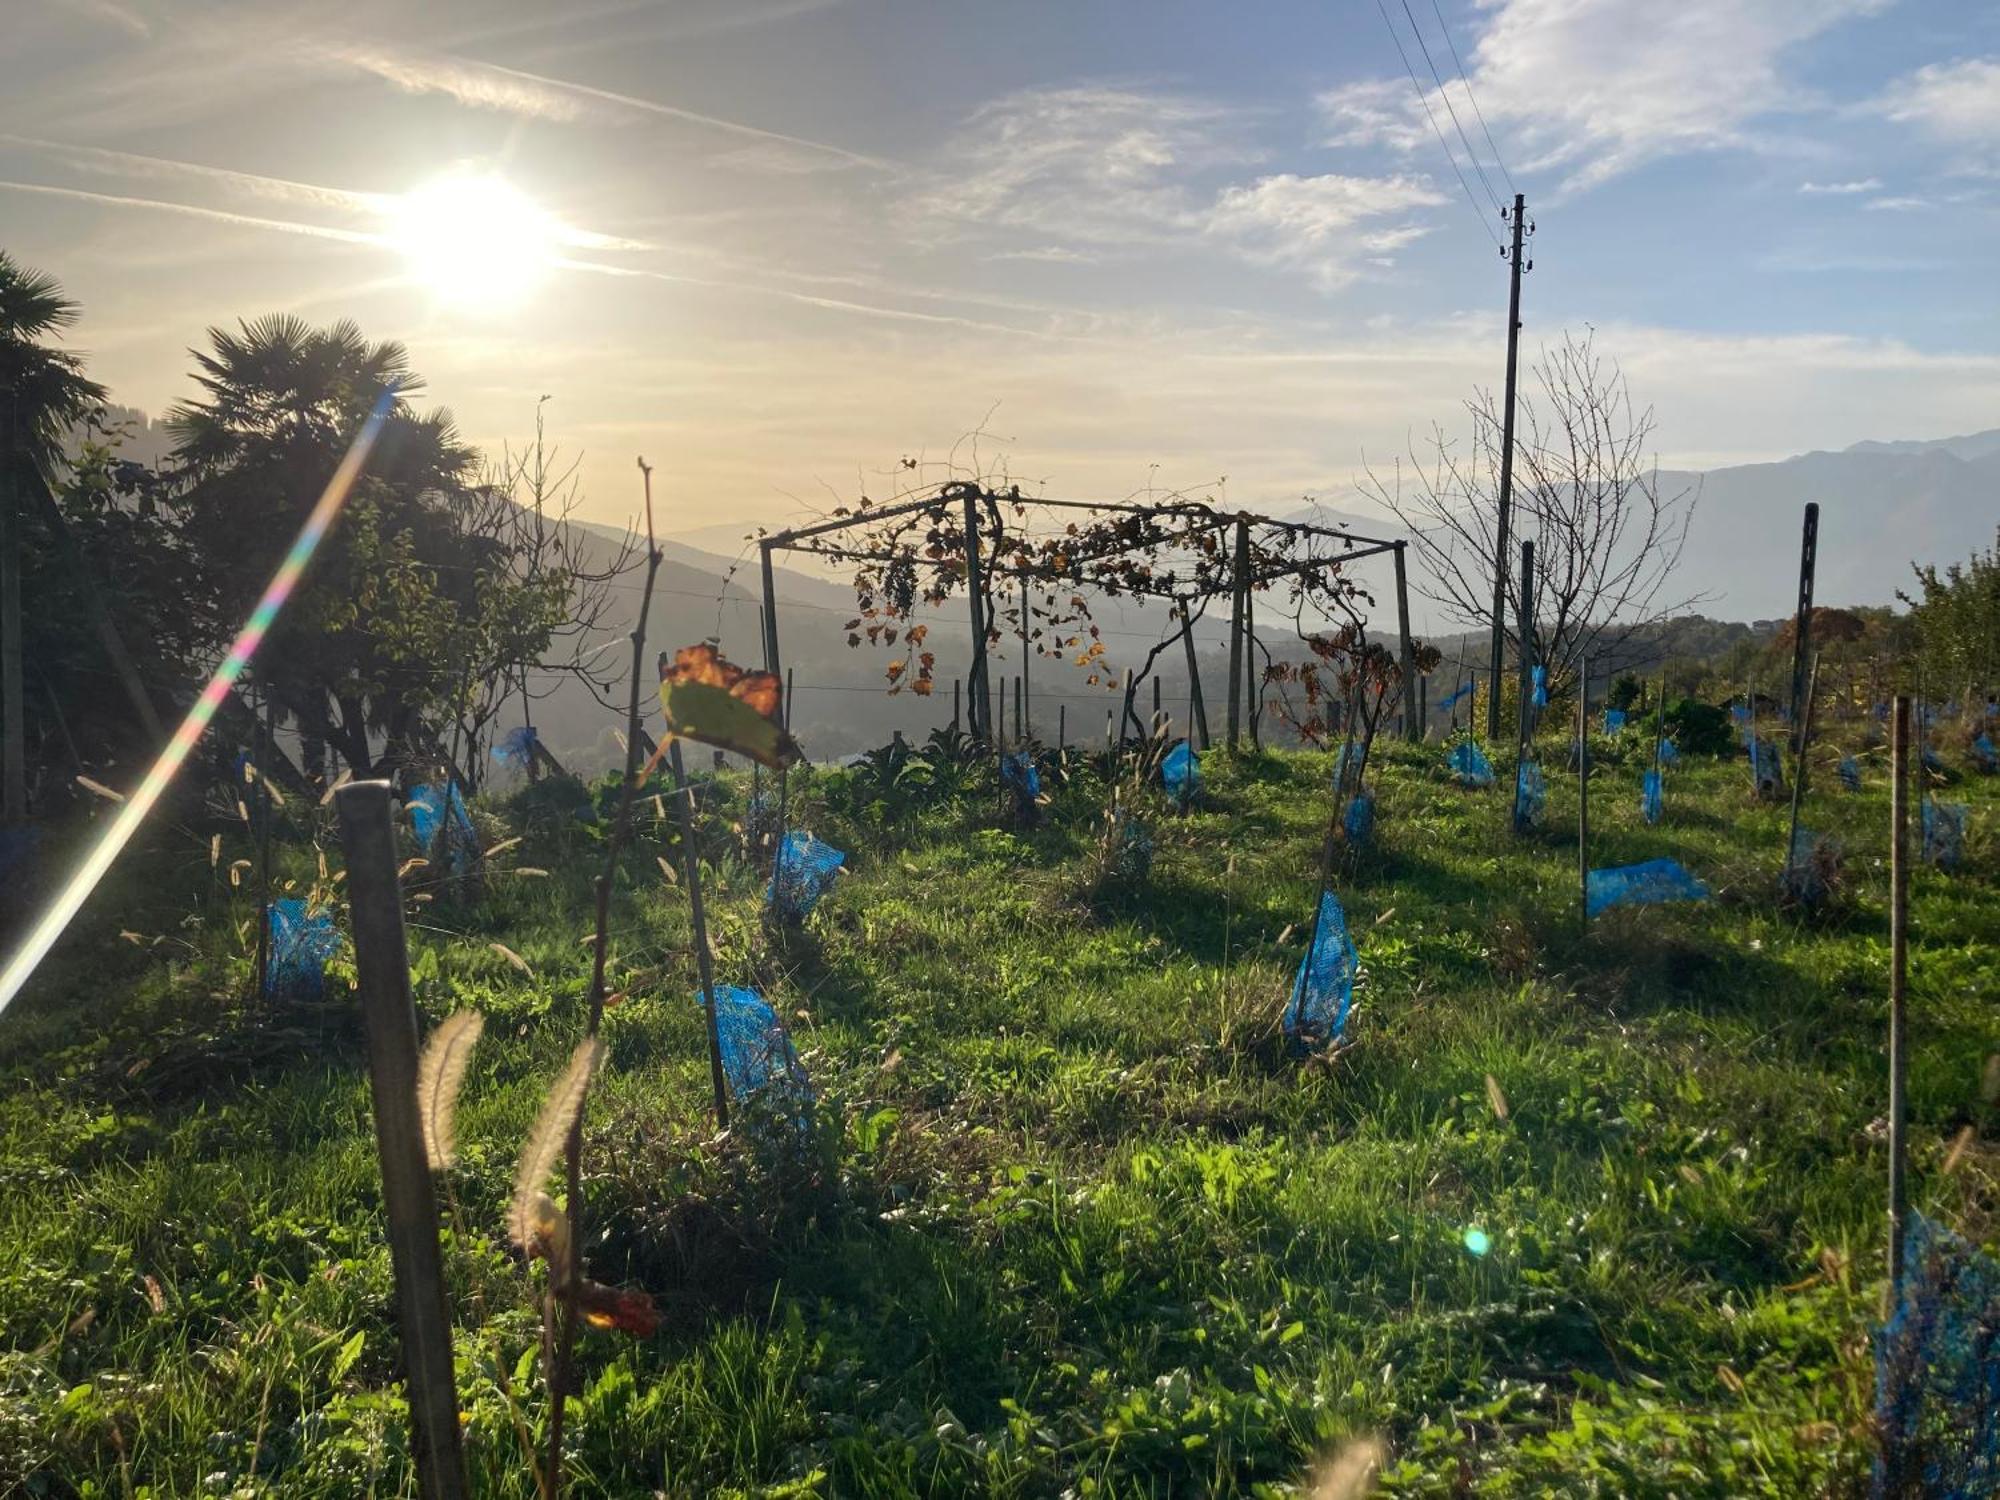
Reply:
x=709 y=699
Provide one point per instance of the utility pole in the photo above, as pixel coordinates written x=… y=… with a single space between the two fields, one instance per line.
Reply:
x=1515 y=265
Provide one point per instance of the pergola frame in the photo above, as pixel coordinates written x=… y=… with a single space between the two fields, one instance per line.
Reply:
x=1244 y=582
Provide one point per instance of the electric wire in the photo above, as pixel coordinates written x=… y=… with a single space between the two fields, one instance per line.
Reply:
x=1445 y=94
x=1449 y=155
x=1478 y=113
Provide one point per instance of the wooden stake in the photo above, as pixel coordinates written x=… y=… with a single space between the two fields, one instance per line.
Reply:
x=382 y=966
x=1583 y=794
x=704 y=963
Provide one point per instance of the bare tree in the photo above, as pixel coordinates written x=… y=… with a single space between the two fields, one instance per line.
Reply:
x=1586 y=492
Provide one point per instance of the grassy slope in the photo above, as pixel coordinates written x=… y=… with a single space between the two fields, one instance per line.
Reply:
x=1073 y=1222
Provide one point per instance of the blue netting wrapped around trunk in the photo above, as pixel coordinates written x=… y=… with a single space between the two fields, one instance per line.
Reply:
x=1347 y=765
x=1670 y=753
x=1650 y=799
x=1740 y=713
x=1131 y=851
x=1850 y=773
x=1933 y=761
x=1614 y=720
x=427 y=806
x=757 y=1053
x=1810 y=868
x=1464 y=690
x=1531 y=796
x=1182 y=773
x=1937 y=1372
x=517 y=746
x=1641 y=885
x=802 y=872
x=1020 y=776
x=1984 y=754
x=1539 y=686
x=302 y=940
x=1765 y=768
x=1944 y=832
x=1323 y=992
x=1469 y=764
x=1359 y=819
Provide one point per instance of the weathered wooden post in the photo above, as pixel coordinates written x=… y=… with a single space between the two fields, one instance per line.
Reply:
x=978 y=693
x=1239 y=599
x=1197 y=710
x=382 y=967
x=1412 y=718
x=1802 y=623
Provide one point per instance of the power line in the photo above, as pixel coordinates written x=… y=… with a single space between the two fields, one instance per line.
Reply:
x=1449 y=155
x=1478 y=113
x=1445 y=94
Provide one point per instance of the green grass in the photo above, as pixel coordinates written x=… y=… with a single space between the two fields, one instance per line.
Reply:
x=1070 y=1221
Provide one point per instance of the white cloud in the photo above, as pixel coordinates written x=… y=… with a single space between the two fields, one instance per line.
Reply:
x=1842 y=189
x=1957 y=101
x=1897 y=203
x=1595 y=90
x=1311 y=222
x=1095 y=167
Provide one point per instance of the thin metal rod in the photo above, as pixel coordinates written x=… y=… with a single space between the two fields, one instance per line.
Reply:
x=1583 y=794
x=1899 y=957
x=264 y=748
x=1802 y=621
x=382 y=969
x=1804 y=743
x=704 y=963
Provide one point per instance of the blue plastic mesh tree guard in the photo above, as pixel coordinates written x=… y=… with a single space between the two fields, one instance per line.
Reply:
x=1182 y=773
x=302 y=940
x=1984 y=753
x=802 y=872
x=1614 y=720
x=1323 y=992
x=1850 y=773
x=1348 y=764
x=1765 y=769
x=1131 y=851
x=1937 y=1372
x=1464 y=690
x=757 y=1053
x=1019 y=774
x=1670 y=753
x=1650 y=799
x=1809 y=867
x=1358 y=821
x=1641 y=885
x=1944 y=832
x=1932 y=760
x=1740 y=712
x=461 y=841
x=517 y=746
x=1469 y=764
x=1538 y=679
x=1531 y=796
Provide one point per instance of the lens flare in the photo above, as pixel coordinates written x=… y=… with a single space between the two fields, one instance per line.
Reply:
x=134 y=810
x=1477 y=1242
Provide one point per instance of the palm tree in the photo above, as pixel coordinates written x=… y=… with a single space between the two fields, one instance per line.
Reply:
x=281 y=401
x=46 y=394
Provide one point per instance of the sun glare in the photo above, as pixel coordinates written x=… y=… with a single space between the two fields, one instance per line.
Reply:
x=474 y=238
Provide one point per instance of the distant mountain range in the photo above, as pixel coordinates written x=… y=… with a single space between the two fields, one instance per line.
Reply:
x=1882 y=507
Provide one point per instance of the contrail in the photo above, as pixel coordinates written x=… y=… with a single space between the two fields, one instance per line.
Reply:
x=133 y=811
x=216 y=215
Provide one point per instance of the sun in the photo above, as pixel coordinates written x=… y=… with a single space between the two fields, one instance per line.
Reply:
x=474 y=238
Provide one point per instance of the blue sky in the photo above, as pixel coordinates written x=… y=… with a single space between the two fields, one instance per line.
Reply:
x=1132 y=243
